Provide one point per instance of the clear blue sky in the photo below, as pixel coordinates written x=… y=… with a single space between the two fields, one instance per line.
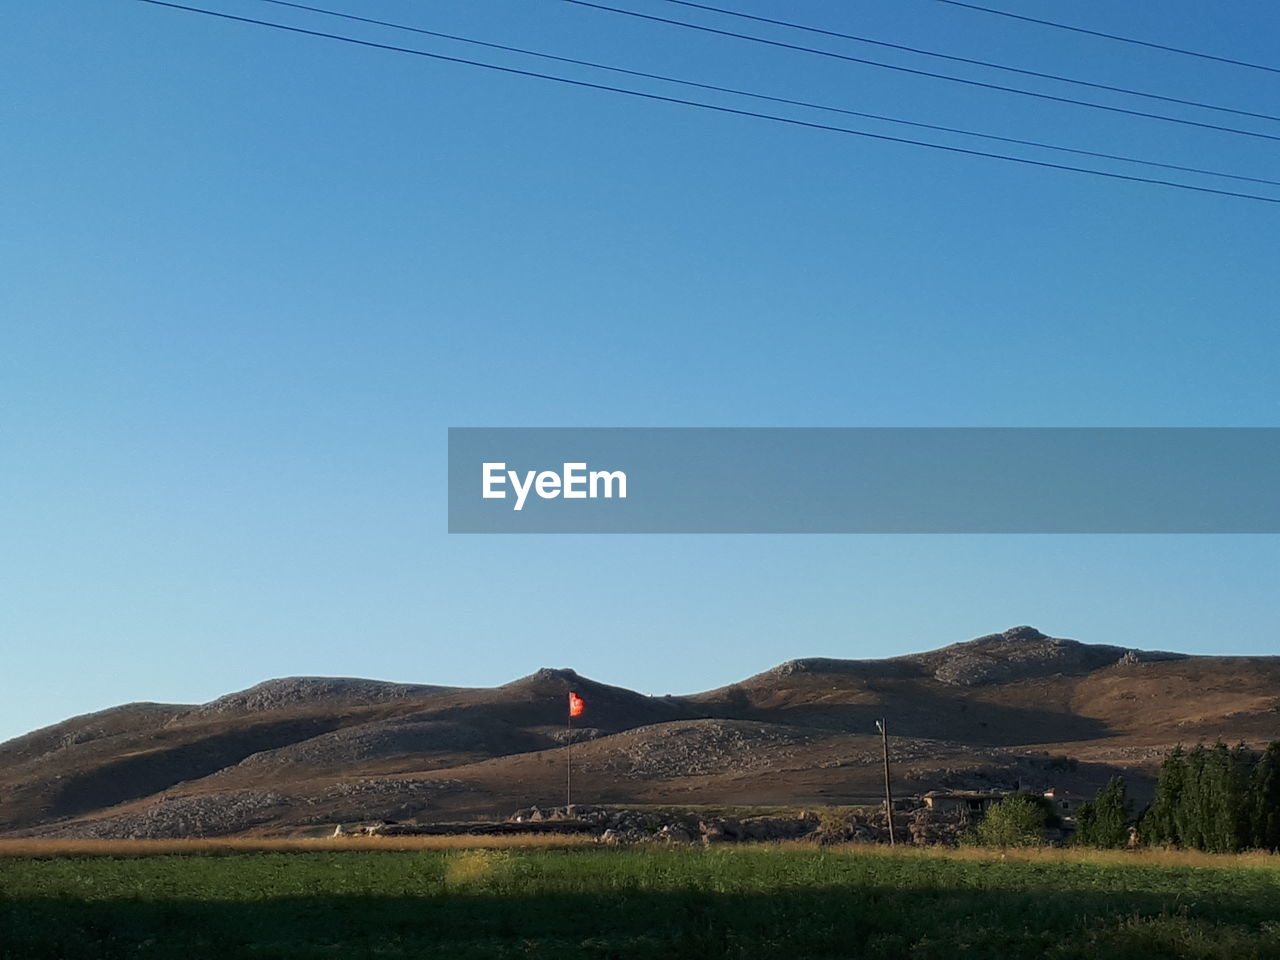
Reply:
x=248 y=279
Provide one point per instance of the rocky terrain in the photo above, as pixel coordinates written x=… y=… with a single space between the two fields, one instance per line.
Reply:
x=616 y=826
x=307 y=754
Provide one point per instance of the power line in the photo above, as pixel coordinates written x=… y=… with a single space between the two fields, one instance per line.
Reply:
x=1113 y=36
x=790 y=121
x=762 y=96
x=924 y=73
x=973 y=62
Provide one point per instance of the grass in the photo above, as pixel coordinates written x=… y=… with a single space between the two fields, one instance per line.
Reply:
x=506 y=900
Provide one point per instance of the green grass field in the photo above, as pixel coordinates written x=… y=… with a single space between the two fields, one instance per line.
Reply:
x=750 y=902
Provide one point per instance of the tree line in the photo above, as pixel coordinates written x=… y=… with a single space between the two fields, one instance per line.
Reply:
x=1220 y=799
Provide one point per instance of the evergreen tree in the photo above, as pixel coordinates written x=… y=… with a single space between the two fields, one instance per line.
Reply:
x=1215 y=799
x=1189 y=814
x=1105 y=822
x=1158 y=826
x=1222 y=807
x=1243 y=761
x=1220 y=799
x=1264 y=800
x=1086 y=824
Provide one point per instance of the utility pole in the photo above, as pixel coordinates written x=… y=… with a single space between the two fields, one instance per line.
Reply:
x=883 y=726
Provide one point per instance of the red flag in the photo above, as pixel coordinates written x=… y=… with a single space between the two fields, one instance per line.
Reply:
x=575 y=705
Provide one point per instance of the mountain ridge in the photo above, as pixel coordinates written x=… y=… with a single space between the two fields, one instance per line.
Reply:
x=323 y=749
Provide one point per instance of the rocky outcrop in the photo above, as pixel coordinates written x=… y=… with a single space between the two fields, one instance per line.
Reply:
x=1019 y=653
x=207 y=815
x=229 y=812
x=402 y=736
x=700 y=747
x=622 y=826
x=294 y=691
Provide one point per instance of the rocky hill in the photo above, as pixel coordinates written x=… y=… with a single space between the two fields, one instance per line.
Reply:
x=303 y=754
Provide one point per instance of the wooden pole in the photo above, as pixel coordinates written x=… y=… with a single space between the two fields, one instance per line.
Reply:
x=888 y=793
x=568 y=768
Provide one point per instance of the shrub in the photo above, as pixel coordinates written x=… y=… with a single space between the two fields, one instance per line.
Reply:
x=1016 y=821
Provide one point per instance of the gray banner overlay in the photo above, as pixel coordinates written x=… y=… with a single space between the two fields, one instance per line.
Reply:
x=864 y=480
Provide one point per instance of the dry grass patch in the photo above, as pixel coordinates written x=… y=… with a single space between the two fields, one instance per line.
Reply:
x=1142 y=857
x=40 y=848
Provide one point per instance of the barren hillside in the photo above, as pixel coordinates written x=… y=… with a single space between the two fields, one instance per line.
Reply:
x=305 y=753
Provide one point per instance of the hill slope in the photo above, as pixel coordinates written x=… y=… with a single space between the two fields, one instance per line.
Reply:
x=304 y=753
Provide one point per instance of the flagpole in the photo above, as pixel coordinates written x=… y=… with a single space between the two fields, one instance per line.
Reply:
x=568 y=765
